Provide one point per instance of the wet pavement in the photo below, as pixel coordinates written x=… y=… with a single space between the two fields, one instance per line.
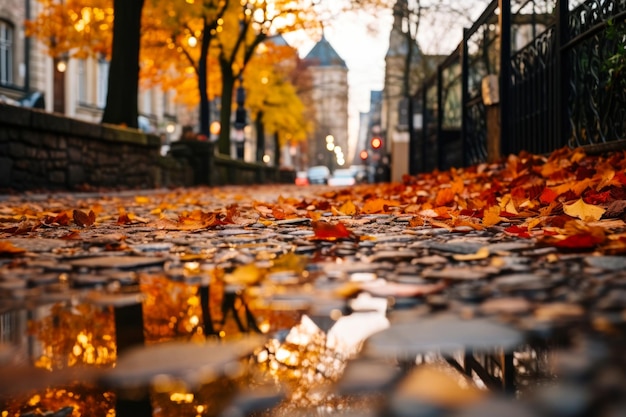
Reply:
x=389 y=314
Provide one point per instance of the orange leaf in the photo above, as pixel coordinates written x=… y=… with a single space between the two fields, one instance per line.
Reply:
x=314 y=215
x=378 y=205
x=74 y=234
x=491 y=216
x=123 y=219
x=444 y=197
x=83 y=219
x=416 y=221
x=7 y=248
x=61 y=219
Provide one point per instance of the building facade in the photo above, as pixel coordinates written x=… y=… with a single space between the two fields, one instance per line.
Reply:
x=328 y=144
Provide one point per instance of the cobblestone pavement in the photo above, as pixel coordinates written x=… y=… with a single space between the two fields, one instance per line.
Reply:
x=441 y=320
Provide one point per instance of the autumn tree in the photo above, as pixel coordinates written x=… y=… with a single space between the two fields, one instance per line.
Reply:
x=177 y=50
x=97 y=28
x=197 y=48
x=274 y=104
x=246 y=25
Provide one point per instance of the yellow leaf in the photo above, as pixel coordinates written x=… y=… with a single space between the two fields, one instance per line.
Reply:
x=583 y=211
x=492 y=216
x=348 y=208
x=245 y=274
x=508 y=205
x=481 y=253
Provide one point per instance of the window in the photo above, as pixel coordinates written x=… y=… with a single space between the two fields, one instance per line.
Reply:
x=82 y=81
x=103 y=82
x=6 y=53
x=146 y=107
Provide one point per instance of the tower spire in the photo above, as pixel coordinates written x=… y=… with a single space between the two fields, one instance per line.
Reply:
x=400 y=11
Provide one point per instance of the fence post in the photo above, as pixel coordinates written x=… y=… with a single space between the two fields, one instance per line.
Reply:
x=562 y=71
x=504 y=21
x=440 y=142
x=425 y=121
x=464 y=96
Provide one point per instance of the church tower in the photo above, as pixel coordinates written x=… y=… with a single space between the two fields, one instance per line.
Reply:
x=329 y=97
x=393 y=117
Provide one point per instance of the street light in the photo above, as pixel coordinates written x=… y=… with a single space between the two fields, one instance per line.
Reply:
x=240 y=120
x=215 y=129
x=61 y=64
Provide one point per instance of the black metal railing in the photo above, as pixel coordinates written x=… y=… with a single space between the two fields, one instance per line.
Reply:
x=556 y=83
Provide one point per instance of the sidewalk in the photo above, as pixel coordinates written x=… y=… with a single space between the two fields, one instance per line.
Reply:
x=489 y=290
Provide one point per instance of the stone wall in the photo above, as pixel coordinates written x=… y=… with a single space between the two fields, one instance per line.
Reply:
x=47 y=151
x=40 y=150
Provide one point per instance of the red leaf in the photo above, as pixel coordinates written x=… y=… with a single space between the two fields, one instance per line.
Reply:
x=61 y=219
x=83 y=219
x=74 y=234
x=548 y=195
x=123 y=219
x=325 y=230
x=517 y=230
x=585 y=241
x=597 y=198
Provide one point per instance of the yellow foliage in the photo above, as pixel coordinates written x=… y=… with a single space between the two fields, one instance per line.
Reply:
x=171 y=41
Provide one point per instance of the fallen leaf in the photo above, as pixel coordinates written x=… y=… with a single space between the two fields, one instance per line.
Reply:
x=62 y=219
x=491 y=216
x=481 y=253
x=244 y=274
x=83 y=219
x=583 y=211
x=617 y=208
x=444 y=196
x=8 y=248
x=348 y=208
x=123 y=219
x=416 y=221
x=74 y=234
x=328 y=231
x=518 y=230
x=378 y=205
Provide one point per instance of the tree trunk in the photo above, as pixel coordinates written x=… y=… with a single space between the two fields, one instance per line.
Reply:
x=228 y=85
x=277 y=149
x=260 y=137
x=205 y=105
x=123 y=85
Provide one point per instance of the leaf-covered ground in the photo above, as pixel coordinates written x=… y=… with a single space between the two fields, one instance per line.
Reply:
x=568 y=200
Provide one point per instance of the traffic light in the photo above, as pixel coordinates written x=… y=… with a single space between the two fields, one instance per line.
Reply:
x=363 y=155
x=376 y=143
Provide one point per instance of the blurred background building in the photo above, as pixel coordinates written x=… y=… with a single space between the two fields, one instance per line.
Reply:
x=328 y=96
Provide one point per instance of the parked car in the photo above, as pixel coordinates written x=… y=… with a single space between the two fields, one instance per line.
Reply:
x=318 y=174
x=343 y=177
x=302 y=178
x=360 y=173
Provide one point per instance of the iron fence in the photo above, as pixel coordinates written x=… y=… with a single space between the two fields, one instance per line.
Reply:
x=561 y=79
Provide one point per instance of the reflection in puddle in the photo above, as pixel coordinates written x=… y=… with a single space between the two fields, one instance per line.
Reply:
x=412 y=365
